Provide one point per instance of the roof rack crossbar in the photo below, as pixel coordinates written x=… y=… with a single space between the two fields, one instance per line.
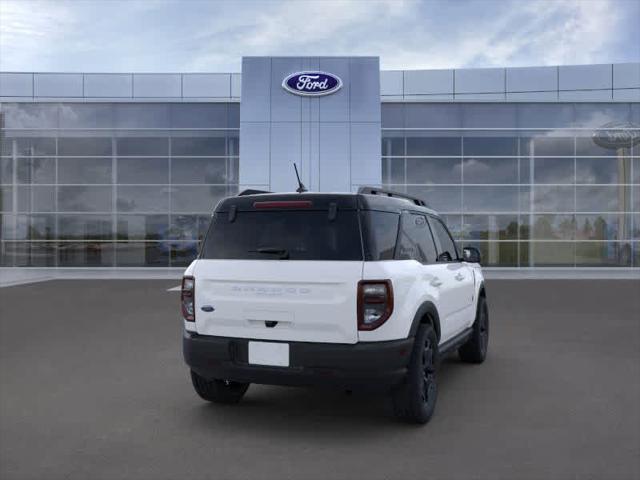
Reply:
x=251 y=191
x=390 y=193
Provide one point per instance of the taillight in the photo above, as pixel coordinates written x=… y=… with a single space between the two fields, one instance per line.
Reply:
x=187 y=298
x=375 y=303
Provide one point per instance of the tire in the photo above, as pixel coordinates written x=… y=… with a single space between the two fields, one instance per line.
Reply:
x=218 y=391
x=475 y=349
x=415 y=400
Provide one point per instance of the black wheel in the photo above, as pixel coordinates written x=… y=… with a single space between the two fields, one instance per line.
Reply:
x=415 y=399
x=475 y=349
x=218 y=391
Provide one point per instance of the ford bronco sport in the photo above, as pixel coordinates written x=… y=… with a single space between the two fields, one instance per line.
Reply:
x=348 y=290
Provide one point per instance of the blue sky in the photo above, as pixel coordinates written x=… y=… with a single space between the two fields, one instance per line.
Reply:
x=212 y=36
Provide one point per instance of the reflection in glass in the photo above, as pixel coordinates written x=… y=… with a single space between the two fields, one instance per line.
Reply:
x=441 y=199
x=491 y=199
x=6 y=199
x=551 y=198
x=143 y=199
x=32 y=254
x=85 y=254
x=490 y=146
x=36 y=170
x=603 y=198
x=393 y=170
x=603 y=170
x=32 y=146
x=392 y=145
x=198 y=146
x=6 y=170
x=610 y=254
x=553 y=170
x=36 y=198
x=603 y=226
x=491 y=227
x=84 y=170
x=423 y=146
x=84 y=199
x=189 y=227
x=143 y=227
x=434 y=170
x=550 y=227
x=85 y=227
x=490 y=170
x=196 y=199
x=135 y=254
x=199 y=170
x=90 y=146
x=199 y=115
x=548 y=254
x=33 y=227
x=144 y=146
x=496 y=254
x=143 y=170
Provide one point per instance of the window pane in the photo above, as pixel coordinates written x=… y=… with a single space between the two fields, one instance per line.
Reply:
x=33 y=254
x=636 y=167
x=189 y=227
x=550 y=227
x=94 y=146
x=34 y=146
x=491 y=199
x=491 y=227
x=36 y=170
x=85 y=227
x=433 y=146
x=586 y=146
x=84 y=170
x=144 y=146
x=434 y=170
x=380 y=231
x=199 y=115
x=143 y=199
x=603 y=226
x=553 y=199
x=441 y=199
x=392 y=146
x=414 y=239
x=454 y=224
x=86 y=115
x=36 y=198
x=196 y=199
x=199 y=170
x=85 y=254
x=392 y=115
x=444 y=242
x=603 y=170
x=137 y=254
x=143 y=227
x=543 y=254
x=143 y=170
x=198 y=146
x=6 y=170
x=490 y=170
x=33 y=227
x=548 y=146
x=553 y=170
x=496 y=254
x=141 y=115
x=29 y=115
x=393 y=170
x=600 y=254
x=84 y=199
x=489 y=146
x=427 y=115
x=6 y=199
x=608 y=198
x=183 y=253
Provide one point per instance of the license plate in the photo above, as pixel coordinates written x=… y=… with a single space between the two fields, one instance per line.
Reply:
x=268 y=353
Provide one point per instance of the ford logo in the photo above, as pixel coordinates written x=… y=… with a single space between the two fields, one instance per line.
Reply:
x=617 y=135
x=312 y=84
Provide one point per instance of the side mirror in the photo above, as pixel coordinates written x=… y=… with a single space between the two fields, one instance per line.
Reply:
x=471 y=254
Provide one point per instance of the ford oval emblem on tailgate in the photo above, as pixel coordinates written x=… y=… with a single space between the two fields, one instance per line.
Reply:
x=312 y=83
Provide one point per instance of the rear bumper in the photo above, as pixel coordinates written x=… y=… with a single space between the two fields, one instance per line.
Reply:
x=374 y=365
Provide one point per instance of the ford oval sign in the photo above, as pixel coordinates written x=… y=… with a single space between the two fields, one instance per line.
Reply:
x=616 y=135
x=312 y=84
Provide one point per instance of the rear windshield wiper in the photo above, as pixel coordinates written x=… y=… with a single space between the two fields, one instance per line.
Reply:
x=282 y=252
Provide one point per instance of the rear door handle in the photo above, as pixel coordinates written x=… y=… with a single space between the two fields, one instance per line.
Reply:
x=207 y=308
x=459 y=277
x=436 y=282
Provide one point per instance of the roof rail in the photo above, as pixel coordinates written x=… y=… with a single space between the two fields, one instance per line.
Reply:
x=251 y=191
x=389 y=193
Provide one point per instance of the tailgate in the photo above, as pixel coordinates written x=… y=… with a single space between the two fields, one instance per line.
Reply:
x=304 y=301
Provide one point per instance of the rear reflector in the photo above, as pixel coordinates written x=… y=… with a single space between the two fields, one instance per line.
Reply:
x=283 y=204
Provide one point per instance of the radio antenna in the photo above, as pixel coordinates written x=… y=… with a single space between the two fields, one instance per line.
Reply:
x=301 y=188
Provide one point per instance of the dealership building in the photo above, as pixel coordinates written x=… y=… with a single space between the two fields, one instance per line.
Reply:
x=537 y=167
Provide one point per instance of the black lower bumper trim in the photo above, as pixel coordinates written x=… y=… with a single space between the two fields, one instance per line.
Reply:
x=371 y=365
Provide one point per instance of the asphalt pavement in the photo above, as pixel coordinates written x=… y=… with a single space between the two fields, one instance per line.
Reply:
x=92 y=385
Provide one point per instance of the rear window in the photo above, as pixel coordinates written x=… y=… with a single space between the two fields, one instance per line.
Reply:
x=284 y=235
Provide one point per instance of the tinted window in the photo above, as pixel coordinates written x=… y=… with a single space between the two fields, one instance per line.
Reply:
x=414 y=239
x=380 y=230
x=443 y=239
x=276 y=235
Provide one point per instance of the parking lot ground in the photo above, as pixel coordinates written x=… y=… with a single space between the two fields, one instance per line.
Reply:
x=92 y=385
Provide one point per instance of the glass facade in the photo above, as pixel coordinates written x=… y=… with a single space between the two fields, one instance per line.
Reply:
x=527 y=184
x=112 y=184
x=133 y=184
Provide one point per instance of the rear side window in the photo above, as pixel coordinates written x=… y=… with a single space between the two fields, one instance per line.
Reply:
x=379 y=232
x=446 y=245
x=414 y=239
x=284 y=235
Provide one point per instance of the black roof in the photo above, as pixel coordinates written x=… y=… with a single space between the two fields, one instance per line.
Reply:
x=322 y=201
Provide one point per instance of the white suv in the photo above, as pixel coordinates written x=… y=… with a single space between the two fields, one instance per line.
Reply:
x=350 y=290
